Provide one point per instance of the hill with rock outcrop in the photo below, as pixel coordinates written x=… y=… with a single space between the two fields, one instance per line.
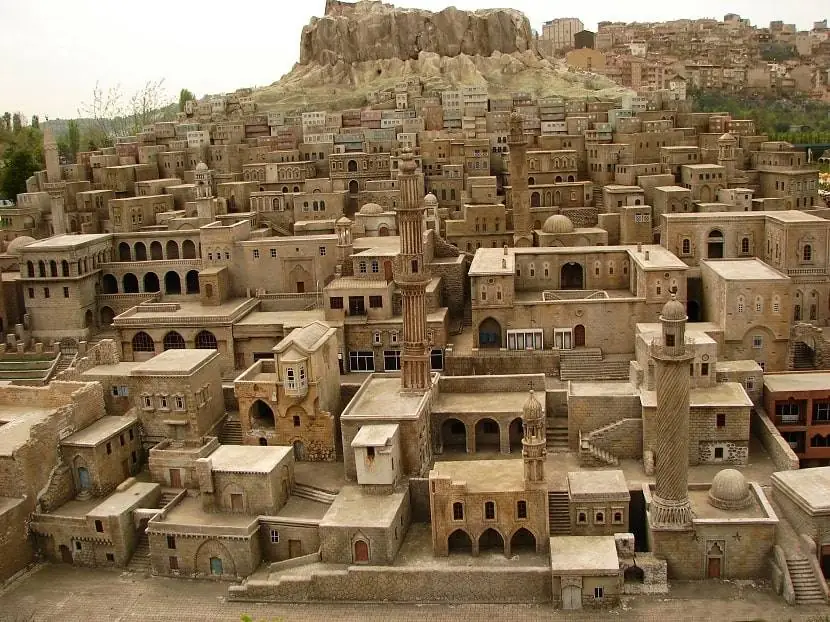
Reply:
x=366 y=47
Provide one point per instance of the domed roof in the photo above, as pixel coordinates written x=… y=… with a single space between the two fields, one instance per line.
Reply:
x=431 y=200
x=727 y=138
x=729 y=490
x=371 y=209
x=532 y=408
x=201 y=167
x=16 y=244
x=558 y=224
x=673 y=310
x=343 y=220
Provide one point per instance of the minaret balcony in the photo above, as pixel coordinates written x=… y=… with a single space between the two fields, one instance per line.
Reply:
x=660 y=350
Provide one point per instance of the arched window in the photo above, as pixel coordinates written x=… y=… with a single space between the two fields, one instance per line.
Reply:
x=142 y=342
x=53 y=268
x=65 y=267
x=807 y=253
x=205 y=340
x=686 y=246
x=458 y=511
x=740 y=305
x=41 y=268
x=30 y=268
x=173 y=341
x=759 y=304
x=745 y=246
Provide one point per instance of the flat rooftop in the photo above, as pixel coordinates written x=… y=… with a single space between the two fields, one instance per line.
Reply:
x=375 y=435
x=743 y=270
x=793 y=215
x=812 y=486
x=105 y=428
x=248 y=458
x=493 y=261
x=175 y=312
x=175 y=362
x=719 y=394
x=287 y=319
x=188 y=512
x=701 y=508
x=124 y=368
x=797 y=381
x=483 y=475
x=352 y=508
x=480 y=402
x=72 y=240
x=611 y=485
x=17 y=422
x=584 y=555
x=380 y=398
x=124 y=500
x=609 y=388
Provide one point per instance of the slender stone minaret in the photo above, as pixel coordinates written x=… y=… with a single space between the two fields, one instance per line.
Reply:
x=204 y=192
x=670 y=508
x=522 y=232
x=412 y=279
x=534 y=445
x=50 y=154
x=727 y=156
x=343 y=227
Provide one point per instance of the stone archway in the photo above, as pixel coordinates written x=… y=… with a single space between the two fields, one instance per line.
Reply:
x=459 y=541
x=523 y=541
x=488 y=435
x=107 y=316
x=516 y=433
x=489 y=334
x=261 y=416
x=491 y=540
x=454 y=435
x=714 y=244
x=579 y=336
x=572 y=276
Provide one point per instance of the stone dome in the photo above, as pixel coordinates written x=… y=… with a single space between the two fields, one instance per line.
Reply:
x=727 y=138
x=430 y=200
x=16 y=244
x=532 y=408
x=673 y=310
x=371 y=209
x=201 y=167
x=558 y=224
x=730 y=491
x=343 y=220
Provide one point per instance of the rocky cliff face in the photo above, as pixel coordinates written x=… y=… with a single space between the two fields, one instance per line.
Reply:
x=369 y=30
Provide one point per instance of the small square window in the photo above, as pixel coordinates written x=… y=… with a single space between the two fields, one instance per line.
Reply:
x=132 y=435
x=99 y=526
x=521 y=509
x=617 y=517
x=110 y=557
x=256 y=253
x=375 y=302
x=121 y=440
x=599 y=592
x=718 y=453
x=296 y=421
x=322 y=251
x=66 y=292
x=489 y=510
x=757 y=342
x=77 y=545
x=704 y=369
x=148 y=402
x=275 y=536
x=273 y=253
x=171 y=542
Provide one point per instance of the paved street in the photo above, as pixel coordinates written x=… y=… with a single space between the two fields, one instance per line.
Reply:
x=64 y=593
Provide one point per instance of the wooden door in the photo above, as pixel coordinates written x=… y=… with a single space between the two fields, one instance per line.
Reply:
x=66 y=554
x=571 y=597
x=361 y=551
x=237 y=504
x=300 y=287
x=295 y=548
x=579 y=336
x=175 y=478
x=713 y=568
x=84 y=479
x=125 y=468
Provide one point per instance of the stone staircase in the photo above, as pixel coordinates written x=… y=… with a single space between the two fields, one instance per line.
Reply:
x=588 y=364
x=559 y=514
x=64 y=362
x=231 y=433
x=467 y=320
x=599 y=202
x=140 y=561
x=556 y=434
x=314 y=494
x=588 y=453
x=167 y=496
x=806 y=587
x=803 y=357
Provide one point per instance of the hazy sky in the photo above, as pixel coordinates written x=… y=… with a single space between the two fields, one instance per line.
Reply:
x=52 y=52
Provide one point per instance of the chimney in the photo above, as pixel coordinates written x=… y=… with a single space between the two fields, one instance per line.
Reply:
x=505 y=249
x=646 y=255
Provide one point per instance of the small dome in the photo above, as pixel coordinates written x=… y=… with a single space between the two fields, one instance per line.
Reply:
x=532 y=408
x=16 y=244
x=558 y=224
x=371 y=209
x=673 y=310
x=730 y=491
x=201 y=167
x=430 y=200
x=343 y=220
x=727 y=138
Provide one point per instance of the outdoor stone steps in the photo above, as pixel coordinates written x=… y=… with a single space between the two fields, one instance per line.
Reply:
x=559 y=515
x=606 y=428
x=231 y=432
x=580 y=354
x=313 y=494
x=140 y=561
x=594 y=370
x=556 y=437
x=600 y=455
x=806 y=587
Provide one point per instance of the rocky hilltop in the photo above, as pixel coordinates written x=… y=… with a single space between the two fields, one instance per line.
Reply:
x=359 y=49
x=370 y=30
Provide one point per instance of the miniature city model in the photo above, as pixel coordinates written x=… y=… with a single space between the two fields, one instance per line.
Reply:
x=448 y=346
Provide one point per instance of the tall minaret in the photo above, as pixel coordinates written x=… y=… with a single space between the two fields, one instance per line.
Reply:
x=343 y=226
x=412 y=279
x=50 y=154
x=204 y=192
x=670 y=503
x=522 y=233
x=727 y=156
x=534 y=445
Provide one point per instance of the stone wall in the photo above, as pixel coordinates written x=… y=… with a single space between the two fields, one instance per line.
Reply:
x=589 y=412
x=500 y=362
x=419 y=499
x=623 y=439
x=240 y=556
x=295 y=539
x=14 y=539
x=782 y=455
x=493 y=384
x=105 y=352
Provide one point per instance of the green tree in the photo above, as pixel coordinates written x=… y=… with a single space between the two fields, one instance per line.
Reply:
x=7 y=122
x=18 y=166
x=73 y=139
x=35 y=121
x=17 y=122
x=184 y=96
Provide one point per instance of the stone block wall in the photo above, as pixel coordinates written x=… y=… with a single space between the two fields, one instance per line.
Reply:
x=500 y=362
x=623 y=440
x=240 y=556
x=782 y=455
x=294 y=539
x=14 y=540
x=586 y=413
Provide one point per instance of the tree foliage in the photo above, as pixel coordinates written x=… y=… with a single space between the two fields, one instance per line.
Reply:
x=184 y=96
x=22 y=155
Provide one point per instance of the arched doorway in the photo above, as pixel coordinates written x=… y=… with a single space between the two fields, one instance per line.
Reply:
x=300 y=279
x=531 y=181
x=705 y=194
x=151 y=282
x=579 y=336
x=107 y=316
x=173 y=341
x=571 y=276
x=191 y=281
x=130 y=283
x=66 y=554
x=361 y=552
x=353 y=187
x=489 y=334
x=383 y=231
x=454 y=435
x=490 y=540
x=388 y=271
x=261 y=416
x=522 y=542
x=155 y=251
x=172 y=249
x=188 y=249
x=124 y=252
x=535 y=199
x=487 y=435
x=140 y=251
x=351 y=166
x=299 y=450
x=110 y=284
x=714 y=244
x=714 y=561
x=516 y=433
x=89 y=319
x=172 y=283
x=459 y=542
x=634 y=574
